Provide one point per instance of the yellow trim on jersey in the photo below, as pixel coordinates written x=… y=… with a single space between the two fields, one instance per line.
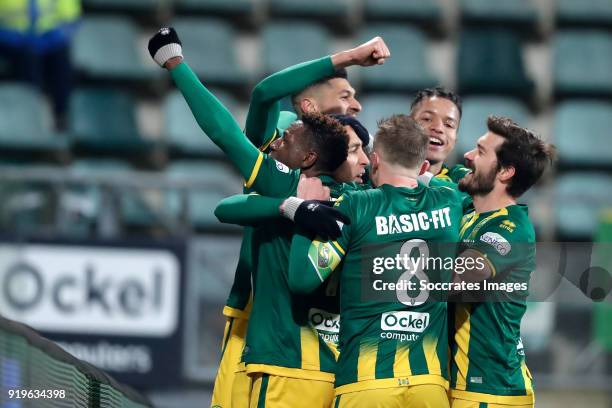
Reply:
x=290 y=372
x=443 y=175
x=337 y=245
x=499 y=213
x=392 y=383
x=526 y=377
x=309 y=341
x=487 y=260
x=430 y=345
x=255 y=171
x=462 y=338
x=267 y=144
x=468 y=223
x=236 y=313
x=401 y=365
x=494 y=399
x=366 y=362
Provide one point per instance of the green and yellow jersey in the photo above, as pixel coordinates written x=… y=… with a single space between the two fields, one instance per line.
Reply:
x=387 y=339
x=452 y=174
x=488 y=358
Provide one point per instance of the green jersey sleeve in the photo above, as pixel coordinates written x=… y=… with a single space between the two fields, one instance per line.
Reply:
x=248 y=209
x=311 y=262
x=264 y=109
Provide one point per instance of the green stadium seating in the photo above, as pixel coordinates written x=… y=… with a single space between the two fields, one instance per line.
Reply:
x=580 y=198
x=210 y=45
x=586 y=13
x=184 y=136
x=476 y=109
x=518 y=14
x=216 y=7
x=26 y=122
x=491 y=62
x=107 y=48
x=407 y=70
x=581 y=129
x=279 y=44
x=131 y=6
x=379 y=106
x=333 y=10
x=417 y=11
x=582 y=61
x=104 y=121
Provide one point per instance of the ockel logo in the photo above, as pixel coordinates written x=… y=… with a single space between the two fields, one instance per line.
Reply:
x=90 y=289
x=324 y=321
x=405 y=321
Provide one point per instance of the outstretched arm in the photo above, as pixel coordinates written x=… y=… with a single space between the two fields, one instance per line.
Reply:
x=264 y=108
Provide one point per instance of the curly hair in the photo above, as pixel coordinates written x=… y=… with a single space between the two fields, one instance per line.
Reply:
x=327 y=138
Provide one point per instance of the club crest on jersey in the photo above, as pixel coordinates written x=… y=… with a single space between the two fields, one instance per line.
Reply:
x=281 y=167
x=501 y=245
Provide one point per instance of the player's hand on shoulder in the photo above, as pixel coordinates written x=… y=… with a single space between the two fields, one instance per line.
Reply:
x=165 y=48
x=311 y=188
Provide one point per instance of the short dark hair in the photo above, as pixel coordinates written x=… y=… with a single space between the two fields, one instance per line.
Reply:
x=439 y=92
x=328 y=139
x=402 y=141
x=338 y=73
x=523 y=150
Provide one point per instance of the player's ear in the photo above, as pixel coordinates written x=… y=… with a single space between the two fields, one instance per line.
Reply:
x=308 y=105
x=424 y=167
x=309 y=160
x=506 y=174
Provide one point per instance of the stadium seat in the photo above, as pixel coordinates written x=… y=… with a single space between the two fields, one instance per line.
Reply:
x=585 y=13
x=581 y=129
x=104 y=121
x=331 y=10
x=476 y=109
x=131 y=6
x=491 y=62
x=210 y=45
x=279 y=44
x=26 y=123
x=216 y=7
x=521 y=15
x=379 y=106
x=580 y=198
x=184 y=136
x=106 y=48
x=582 y=61
x=202 y=202
x=407 y=70
x=27 y=207
x=416 y=11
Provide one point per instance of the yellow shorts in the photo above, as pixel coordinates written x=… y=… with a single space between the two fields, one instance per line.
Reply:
x=272 y=391
x=416 y=396
x=233 y=343
x=459 y=403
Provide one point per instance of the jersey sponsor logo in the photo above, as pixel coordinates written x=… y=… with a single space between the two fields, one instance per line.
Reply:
x=476 y=380
x=404 y=223
x=405 y=321
x=281 y=167
x=498 y=242
x=324 y=321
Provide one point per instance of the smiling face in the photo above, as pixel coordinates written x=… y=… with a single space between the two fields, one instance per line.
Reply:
x=483 y=162
x=353 y=168
x=334 y=96
x=440 y=118
x=290 y=149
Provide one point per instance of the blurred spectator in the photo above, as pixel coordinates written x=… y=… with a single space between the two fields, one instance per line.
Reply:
x=35 y=37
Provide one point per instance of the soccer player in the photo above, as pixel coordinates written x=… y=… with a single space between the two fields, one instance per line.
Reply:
x=438 y=111
x=394 y=349
x=316 y=86
x=488 y=358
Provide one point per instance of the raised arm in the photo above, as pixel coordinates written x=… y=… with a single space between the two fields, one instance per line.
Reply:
x=264 y=108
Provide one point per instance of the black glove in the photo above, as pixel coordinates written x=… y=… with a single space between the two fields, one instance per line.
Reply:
x=316 y=217
x=165 y=44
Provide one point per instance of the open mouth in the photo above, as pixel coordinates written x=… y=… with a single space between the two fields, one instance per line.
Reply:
x=359 y=177
x=434 y=141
